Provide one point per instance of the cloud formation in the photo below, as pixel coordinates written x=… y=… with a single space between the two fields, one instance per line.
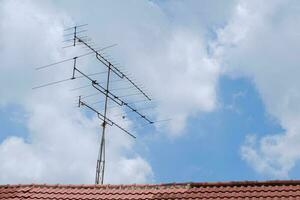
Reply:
x=261 y=41
x=61 y=145
x=171 y=59
x=177 y=57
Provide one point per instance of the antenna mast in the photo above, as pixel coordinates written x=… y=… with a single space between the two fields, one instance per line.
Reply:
x=101 y=156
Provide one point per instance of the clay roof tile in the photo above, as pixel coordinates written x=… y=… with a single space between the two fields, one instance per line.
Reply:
x=254 y=190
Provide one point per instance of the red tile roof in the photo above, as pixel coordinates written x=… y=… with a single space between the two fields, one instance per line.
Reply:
x=221 y=190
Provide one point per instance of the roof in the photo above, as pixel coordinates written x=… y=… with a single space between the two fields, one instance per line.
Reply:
x=213 y=190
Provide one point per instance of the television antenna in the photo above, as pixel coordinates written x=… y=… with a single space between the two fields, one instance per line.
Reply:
x=101 y=87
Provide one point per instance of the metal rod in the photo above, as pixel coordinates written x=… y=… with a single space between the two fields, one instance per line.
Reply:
x=82 y=55
x=72 y=39
x=127 y=88
x=89 y=95
x=145 y=108
x=73 y=33
x=108 y=121
x=129 y=95
x=90 y=85
x=74 y=67
x=62 y=61
x=52 y=83
x=121 y=102
x=67 y=46
x=81 y=25
x=154 y=122
x=101 y=157
x=78 y=88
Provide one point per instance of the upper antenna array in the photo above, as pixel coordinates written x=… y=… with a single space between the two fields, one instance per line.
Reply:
x=103 y=87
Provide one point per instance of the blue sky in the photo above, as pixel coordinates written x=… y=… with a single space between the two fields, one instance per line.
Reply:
x=211 y=150
x=225 y=72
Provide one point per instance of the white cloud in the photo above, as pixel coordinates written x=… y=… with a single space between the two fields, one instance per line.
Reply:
x=171 y=60
x=266 y=157
x=184 y=78
x=62 y=148
x=261 y=41
x=62 y=142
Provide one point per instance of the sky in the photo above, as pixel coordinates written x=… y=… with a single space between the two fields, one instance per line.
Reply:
x=225 y=72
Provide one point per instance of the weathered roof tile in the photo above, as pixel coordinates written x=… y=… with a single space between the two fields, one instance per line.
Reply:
x=220 y=190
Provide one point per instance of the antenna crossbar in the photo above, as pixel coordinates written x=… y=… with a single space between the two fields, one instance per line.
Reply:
x=77 y=26
x=69 y=59
x=107 y=120
x=112 y=96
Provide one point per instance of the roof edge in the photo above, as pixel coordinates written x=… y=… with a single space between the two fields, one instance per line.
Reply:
x=175 y=185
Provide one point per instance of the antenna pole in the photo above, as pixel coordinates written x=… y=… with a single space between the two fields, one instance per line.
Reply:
x=75 y=35
x=101 y=157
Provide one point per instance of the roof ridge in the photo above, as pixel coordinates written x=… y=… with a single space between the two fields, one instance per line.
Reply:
x=246 y=183
x=109 y=186
x=164 y=185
